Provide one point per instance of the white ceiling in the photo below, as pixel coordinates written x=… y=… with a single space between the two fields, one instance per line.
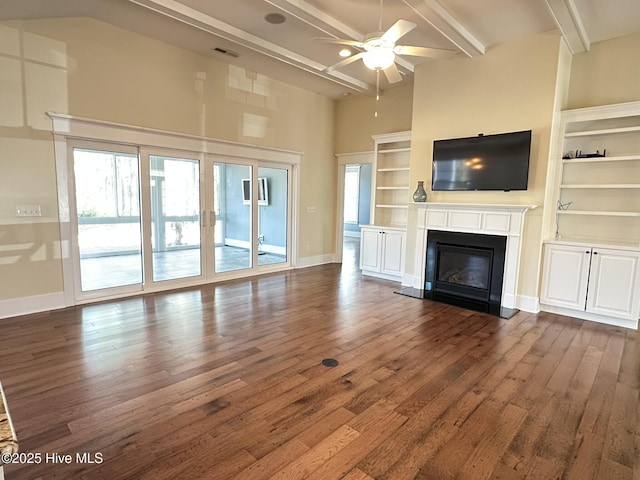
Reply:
x=290 y=51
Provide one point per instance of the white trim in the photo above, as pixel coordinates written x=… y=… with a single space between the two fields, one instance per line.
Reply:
x=35 y=304
x=528 y=304
x=592 y=317
x=98 y=130
x=616 y=110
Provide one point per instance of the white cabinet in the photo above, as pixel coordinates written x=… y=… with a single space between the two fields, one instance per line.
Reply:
x=599 y=281
x=382 y=251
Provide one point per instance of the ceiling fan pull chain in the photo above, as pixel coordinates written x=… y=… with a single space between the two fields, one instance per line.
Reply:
x=377 y=91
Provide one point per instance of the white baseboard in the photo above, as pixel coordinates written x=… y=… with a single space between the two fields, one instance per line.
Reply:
x=304 y=262
x=35 y=304
x=593 y=317
x=412 y=281
x=528 y=304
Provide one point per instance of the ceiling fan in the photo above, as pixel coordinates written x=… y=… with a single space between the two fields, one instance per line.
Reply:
x=379 y=49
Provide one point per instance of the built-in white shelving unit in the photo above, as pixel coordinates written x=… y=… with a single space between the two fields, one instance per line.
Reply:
x=392 y=152
x=592 y=264
x=383 y=243
x=599 y=197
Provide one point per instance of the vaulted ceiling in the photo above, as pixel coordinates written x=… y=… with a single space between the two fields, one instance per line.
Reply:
x=286 y=47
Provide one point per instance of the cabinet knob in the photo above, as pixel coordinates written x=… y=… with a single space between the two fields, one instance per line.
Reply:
x=595 y=253
x=587 y=251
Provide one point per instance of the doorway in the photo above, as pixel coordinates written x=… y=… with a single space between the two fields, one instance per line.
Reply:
x=354 y=203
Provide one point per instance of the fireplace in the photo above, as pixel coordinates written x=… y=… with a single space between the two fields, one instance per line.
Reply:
x=465 y=269
x=505 y=221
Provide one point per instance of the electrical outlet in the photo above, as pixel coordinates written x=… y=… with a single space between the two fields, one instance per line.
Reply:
x=28 y=211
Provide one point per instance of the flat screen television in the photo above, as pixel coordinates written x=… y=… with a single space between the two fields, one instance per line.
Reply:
x=485 y=162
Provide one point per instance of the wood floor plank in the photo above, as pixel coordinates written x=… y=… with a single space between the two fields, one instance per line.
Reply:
x=225 y=381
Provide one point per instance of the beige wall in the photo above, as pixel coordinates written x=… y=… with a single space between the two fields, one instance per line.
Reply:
x=356 y=121
x=608 y=73
x=512 y=87
x=87 y=68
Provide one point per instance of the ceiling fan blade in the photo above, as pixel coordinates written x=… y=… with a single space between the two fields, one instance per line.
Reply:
x=345 y=62
x=392 y=73
x=423 y=51
x=341 y=41
x=397 y=30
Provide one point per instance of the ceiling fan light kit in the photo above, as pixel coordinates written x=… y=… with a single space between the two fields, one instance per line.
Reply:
x=378 y=58
x=378 y=50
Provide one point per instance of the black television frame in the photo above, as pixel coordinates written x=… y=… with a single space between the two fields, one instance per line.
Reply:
x=497 y=162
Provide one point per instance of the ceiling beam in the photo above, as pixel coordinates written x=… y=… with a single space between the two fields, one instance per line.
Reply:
x=451 y=28
x=567 y=17
x=189 y=16
x=317 y=19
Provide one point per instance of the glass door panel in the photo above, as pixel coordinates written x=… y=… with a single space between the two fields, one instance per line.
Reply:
x=107 y=197
x=175 y=217
x=272 y=215
x=232 y=209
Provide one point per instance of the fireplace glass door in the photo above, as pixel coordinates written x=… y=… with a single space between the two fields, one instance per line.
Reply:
x=463 y=268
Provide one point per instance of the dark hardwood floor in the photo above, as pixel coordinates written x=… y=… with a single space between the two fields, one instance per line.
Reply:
x=226 y=382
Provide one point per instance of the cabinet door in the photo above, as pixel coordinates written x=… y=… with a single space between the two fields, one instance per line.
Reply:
x=370 y=249
x=393 y=252
x=613 y=283
x=565 y=276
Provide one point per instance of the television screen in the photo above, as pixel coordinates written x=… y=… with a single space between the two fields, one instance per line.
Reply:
x=485 y=162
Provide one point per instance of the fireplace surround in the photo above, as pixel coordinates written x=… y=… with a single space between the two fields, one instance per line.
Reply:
x=499 y=220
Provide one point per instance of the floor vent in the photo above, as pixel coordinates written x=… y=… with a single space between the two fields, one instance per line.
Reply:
x=330 y=362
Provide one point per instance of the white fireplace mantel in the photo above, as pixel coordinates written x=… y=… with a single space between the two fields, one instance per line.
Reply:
x=504 y=220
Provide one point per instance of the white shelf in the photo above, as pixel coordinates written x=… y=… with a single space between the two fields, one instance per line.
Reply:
x=395 y=150
x=393 y=169
x=394 y=188
x=598 y=213
x=604 y=185
x=604 y=131
x=622 y=158
x=382 y=205
x=591 y=242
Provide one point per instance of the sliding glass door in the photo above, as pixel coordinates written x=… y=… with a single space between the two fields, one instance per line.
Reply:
x=148 y=219
x=273 y=215
x=107 y=221
x=233 y=212
x=175 y=217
